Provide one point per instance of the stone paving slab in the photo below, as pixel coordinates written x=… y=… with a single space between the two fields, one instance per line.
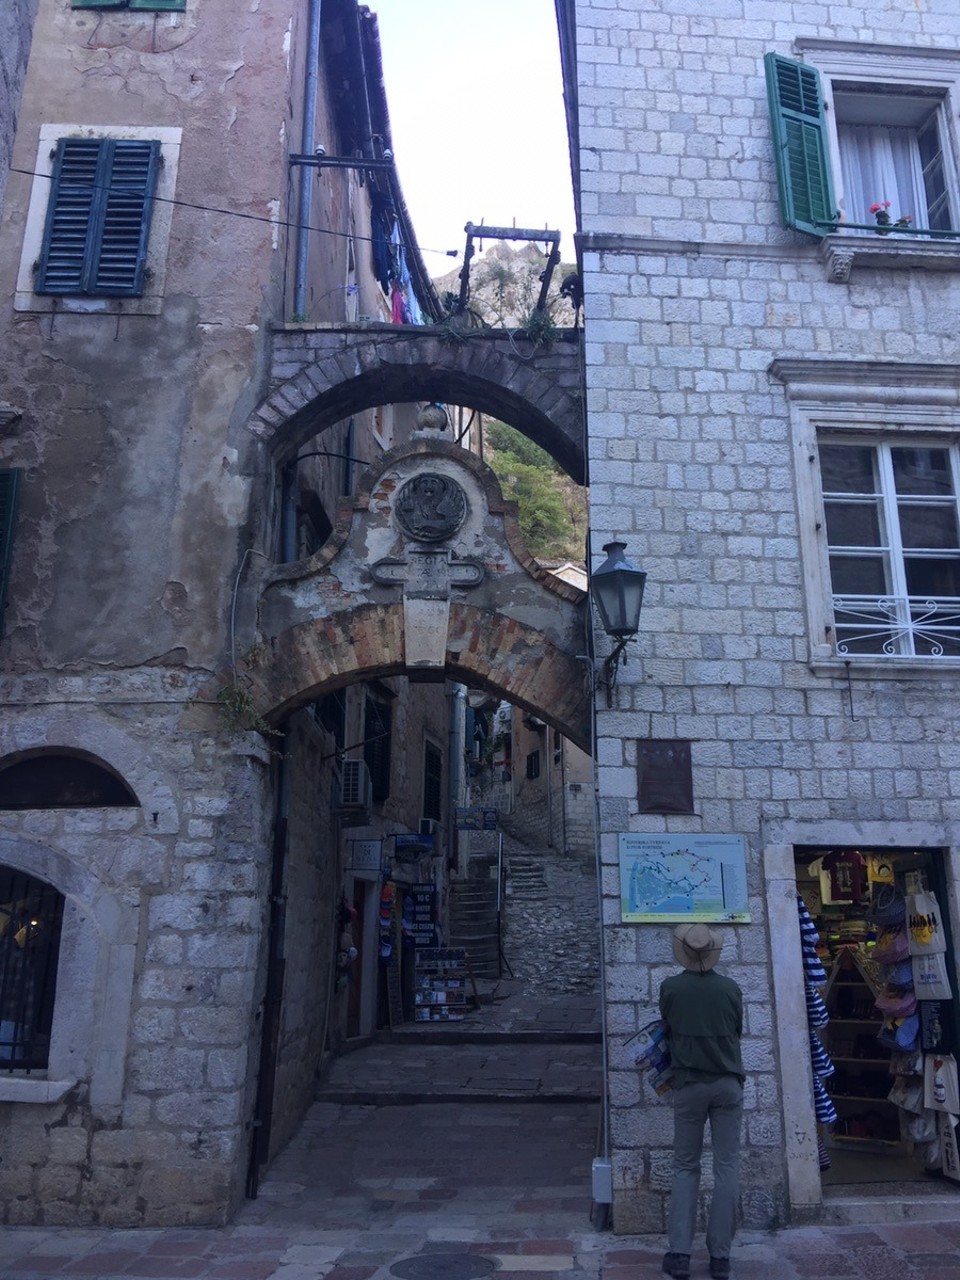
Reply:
x=363 y=1187
x=469 y=1072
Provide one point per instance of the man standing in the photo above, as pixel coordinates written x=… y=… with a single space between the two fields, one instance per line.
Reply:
x=703 y=1013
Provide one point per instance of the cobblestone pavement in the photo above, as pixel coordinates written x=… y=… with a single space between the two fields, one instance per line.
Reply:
x=552 y=936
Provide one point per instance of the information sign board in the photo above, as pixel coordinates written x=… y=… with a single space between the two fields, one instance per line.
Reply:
x=683 y=878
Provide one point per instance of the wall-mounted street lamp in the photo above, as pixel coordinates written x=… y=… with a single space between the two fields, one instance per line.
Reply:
x=617 y=591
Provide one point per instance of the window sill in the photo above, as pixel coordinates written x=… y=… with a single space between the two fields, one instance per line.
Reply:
x=146 y=305
x=842 y=252
x=885 y=668
x=16 y=1088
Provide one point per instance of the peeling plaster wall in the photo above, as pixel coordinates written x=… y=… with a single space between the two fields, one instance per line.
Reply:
x=143 y=490
x=16 y=29
x=137 y=474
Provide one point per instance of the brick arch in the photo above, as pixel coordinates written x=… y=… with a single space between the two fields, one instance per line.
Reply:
x=323 y=376
x=485 y=650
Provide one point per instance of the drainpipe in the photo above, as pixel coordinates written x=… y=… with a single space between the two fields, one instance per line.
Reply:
x=457 y=724
x=272 y=1006
x=307 y=174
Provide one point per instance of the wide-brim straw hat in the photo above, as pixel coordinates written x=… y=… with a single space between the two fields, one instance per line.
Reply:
x=697 y=947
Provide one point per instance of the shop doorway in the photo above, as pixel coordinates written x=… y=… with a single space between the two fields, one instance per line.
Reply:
x=870 y=1060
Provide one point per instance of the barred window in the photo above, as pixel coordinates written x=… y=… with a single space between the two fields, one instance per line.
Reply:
x=31 y=916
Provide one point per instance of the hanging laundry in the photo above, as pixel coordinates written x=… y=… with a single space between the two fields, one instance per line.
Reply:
x=383 y=221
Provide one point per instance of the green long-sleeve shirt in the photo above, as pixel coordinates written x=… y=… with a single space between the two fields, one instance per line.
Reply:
x=704 y=1017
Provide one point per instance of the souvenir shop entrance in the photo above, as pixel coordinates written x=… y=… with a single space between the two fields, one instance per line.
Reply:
x=880 y=987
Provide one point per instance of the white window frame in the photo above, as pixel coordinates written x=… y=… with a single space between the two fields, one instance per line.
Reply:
x=869 y=403
x=912 y=71
x=150 y=301
x=901 y=627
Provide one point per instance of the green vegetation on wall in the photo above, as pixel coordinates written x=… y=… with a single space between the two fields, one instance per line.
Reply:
x=552 y=508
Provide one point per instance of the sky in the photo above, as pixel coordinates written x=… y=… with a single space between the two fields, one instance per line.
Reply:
x=476 y=112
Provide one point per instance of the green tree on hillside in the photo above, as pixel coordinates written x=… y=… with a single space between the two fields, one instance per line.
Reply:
x=552 y=509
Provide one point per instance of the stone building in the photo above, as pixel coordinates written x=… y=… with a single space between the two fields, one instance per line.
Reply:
x=192 y=904
x=771 y=373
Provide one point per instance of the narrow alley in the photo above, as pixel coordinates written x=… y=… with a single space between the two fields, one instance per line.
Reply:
x=481 y=1165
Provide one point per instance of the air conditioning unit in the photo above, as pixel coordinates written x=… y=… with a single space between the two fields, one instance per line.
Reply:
x=429 y=826
x=356 y=794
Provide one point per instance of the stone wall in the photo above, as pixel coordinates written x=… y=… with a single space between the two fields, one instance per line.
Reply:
x=710 y=329
x=144 y=1113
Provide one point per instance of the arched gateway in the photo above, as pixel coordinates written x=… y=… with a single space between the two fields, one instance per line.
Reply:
x=425 y=575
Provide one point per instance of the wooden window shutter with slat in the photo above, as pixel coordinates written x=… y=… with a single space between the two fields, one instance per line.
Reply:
x=98 y=221
x=9 y=489
x=800 y=145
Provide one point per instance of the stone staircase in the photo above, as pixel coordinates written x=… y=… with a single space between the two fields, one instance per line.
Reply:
x=473 y=924
x=525 y=875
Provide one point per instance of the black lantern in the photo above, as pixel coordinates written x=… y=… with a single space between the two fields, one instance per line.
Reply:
x=617 y=590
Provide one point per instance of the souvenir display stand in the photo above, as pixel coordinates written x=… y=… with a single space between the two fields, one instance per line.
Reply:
x=440 y=992
x=861 y=1080
x=883 y=1037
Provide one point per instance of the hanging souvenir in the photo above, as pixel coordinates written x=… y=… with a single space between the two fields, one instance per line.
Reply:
x=907 y=1094
x=940 y=1088
x=892 y=944
x=950 y=1153
x=924 y=924
x=817 y=1015
x=888 y=906
x=819 y=1058
x=823 y=1107
x=880 y=869
x=931 y=1026
x=930 y=976
x=896 y=1003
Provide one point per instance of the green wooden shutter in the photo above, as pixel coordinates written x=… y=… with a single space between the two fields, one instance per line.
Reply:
x=125 y=228
x=158 y=4
x=98 y=221
x=66 y=237
x=377 y=729
x=800 y=145
x=9 y=488
x=99 y=4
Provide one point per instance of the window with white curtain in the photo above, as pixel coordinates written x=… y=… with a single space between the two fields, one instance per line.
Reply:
x=861 y=129
x=893 y=154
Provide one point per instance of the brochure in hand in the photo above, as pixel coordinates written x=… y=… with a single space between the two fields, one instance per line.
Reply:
x=653 y=1056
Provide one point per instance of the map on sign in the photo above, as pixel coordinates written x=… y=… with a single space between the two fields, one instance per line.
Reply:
x=683 y=878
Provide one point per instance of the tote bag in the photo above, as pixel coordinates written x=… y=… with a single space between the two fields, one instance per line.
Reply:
x=948 y=1148
x=930 y=979
x=924 y=924
x=940 y=1089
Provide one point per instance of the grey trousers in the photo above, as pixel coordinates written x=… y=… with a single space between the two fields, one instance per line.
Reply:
x=720 y=1101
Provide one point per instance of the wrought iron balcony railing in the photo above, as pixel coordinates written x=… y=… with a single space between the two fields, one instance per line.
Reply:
x=897 y=626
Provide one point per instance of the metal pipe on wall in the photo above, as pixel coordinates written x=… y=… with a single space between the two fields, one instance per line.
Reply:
x=307 y=142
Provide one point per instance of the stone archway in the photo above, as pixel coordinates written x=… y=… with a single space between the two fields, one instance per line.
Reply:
x=395 y=592
x=321 y=376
